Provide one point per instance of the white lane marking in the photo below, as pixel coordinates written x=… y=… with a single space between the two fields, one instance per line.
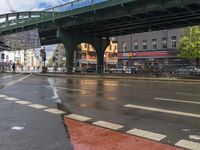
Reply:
x=5 y=77
x=37 y=106
x=54 y=111
x=147 y=134
x=77 y=117
x=182 y=93
x=3 y=96
x=163 y=110
x=55 y=94
x=78 y=90
x=175 y=100
x=194 y=137
x=17 y=128
x=108 y=125
x=188 y=144
x=14 y=82
x=12 y=98
x=23 y=102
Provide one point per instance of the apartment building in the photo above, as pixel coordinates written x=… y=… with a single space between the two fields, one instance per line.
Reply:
x=149 y=47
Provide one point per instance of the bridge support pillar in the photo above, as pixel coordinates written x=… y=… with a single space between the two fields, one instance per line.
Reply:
x=100 y=44
x=70 y=44
x=71 y=41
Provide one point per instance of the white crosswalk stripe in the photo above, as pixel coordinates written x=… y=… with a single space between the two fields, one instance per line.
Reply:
x=3 y=96
x=188 y=144
x=11 y=98
x=77 y=117
x=108 y=125
x=54 y=111
x=23 y=102
x=37 y=106
x=147 y=134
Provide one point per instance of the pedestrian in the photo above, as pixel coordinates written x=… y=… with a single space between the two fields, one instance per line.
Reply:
x=13 y=67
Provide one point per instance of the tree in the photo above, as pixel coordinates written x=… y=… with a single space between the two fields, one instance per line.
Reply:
x=190 y=43
x=50 y=62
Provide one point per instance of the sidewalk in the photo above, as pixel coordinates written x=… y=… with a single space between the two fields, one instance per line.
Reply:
x=121 y=77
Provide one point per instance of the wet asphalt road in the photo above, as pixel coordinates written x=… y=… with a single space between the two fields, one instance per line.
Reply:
x=105 y=100
x=99 y=100
x=41 y=130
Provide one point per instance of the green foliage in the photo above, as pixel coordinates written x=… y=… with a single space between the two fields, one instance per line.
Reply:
x=50 y=62
x=190 y=43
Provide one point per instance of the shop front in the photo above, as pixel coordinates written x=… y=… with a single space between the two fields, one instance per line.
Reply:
x=144 y=58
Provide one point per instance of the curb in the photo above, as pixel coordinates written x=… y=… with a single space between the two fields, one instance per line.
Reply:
x=118 y=77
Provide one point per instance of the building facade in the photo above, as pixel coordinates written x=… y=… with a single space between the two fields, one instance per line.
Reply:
x=24 y=59
x=156 y=47
x=89 y=59
x=59 y=55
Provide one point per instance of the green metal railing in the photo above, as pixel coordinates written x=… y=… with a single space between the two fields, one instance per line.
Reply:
x=22 y=19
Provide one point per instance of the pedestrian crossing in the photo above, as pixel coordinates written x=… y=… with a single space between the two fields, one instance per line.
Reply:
x=32 y=105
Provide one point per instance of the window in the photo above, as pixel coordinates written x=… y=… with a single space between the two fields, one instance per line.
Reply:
x=154 y=44
x=124 y=46
x=115 y=47
x=110 y=47
x=173 y=41
x=164 y=43
x=85 y=45
x=144 y=44
x=135 y=45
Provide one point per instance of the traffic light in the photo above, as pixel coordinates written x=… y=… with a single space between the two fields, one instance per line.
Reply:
x=44 y=56
x=3 y=56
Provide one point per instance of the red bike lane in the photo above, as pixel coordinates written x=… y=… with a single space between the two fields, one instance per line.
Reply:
x=85 y=136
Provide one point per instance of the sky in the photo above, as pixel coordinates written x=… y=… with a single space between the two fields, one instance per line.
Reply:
x=24 y=5
x=31 y=5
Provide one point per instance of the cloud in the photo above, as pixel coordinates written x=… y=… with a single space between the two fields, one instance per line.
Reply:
x=28 y=5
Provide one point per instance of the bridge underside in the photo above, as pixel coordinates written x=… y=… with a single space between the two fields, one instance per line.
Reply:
x=130 y=17
x=113 y=18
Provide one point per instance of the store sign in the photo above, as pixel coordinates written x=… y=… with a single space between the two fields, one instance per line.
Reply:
x=145 y=54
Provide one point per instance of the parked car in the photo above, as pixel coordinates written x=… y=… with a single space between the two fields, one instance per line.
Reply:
x=78 y=70
x=188 y=70
x=91 y=70
x=120 y=70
